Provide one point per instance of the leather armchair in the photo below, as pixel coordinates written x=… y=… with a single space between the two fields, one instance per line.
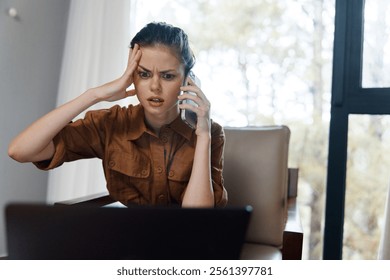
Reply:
x=256 y=173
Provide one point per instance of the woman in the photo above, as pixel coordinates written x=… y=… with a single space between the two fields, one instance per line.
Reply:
x=149 y=155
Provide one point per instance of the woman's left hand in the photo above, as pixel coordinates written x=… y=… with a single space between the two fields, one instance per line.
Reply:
x=202 y=110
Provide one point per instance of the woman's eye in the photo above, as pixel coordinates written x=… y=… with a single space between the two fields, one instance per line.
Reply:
x=168 y=76
x=144 y=74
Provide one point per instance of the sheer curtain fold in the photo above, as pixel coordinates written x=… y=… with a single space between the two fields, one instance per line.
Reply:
x=96 y=51
x=384 y=248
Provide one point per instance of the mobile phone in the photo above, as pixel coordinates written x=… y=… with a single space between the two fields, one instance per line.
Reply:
x=188 y=116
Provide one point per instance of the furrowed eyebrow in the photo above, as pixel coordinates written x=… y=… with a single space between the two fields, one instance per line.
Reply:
x=143 y=68
x=167 y=71
x=162 y=72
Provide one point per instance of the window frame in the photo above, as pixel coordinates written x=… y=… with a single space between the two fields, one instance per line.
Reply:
x=348 y=97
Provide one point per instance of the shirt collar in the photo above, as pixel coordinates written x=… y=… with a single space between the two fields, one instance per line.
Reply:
x=138 y=126
x=181 y=128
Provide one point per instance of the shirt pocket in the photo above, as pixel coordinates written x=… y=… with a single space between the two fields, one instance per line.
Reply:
x=178 y=178
x=129 y=175
x=134 y=164
x=180 y=170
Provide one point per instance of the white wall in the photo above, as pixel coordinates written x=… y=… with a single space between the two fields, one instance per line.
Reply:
x=30 y=60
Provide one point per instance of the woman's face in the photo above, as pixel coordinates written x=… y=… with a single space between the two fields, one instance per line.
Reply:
x=157 y=81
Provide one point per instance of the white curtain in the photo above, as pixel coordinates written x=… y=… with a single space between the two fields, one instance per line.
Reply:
x=384 y=249
x=95 y=52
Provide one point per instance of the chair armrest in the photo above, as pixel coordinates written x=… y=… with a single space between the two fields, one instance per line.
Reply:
x=293 y=232
x=99 y=199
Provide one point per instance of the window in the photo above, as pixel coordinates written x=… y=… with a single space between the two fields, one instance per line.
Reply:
x=367 y=184
x=376 y=48
x=357 y=177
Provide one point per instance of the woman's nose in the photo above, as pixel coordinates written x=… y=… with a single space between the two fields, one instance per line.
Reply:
x=155 y=85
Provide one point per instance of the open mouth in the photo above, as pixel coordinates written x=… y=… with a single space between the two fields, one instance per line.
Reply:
x=156 y=100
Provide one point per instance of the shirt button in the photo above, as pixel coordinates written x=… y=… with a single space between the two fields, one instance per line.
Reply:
x=171 y=173
x=111 y=163
x=164 y=139
x=161 y=197
x=159 y=169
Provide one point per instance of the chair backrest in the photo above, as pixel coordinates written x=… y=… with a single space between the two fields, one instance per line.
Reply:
x=256 y=173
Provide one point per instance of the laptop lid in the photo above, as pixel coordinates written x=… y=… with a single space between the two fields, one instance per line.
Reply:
x=79 y=232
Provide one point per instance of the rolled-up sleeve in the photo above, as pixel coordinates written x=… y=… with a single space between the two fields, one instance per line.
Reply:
x=77 y=140
x=58 y=157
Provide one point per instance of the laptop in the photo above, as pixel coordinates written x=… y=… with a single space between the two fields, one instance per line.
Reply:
x=36 y=231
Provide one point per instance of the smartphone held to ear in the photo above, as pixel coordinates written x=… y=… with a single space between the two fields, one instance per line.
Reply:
x=188 y=116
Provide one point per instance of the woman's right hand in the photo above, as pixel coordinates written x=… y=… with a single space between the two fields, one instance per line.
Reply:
x=117 y=89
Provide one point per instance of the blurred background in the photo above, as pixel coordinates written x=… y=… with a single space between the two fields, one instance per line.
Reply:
x=260 y=63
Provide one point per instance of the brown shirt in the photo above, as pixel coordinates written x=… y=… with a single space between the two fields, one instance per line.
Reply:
x=140 y=167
